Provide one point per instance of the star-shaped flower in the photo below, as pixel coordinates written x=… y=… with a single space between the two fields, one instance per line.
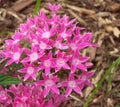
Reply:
x=30 y=71
x=32 y=55
x=71 y=85
x=47 y=63
x=77 y=62
x=13 y=55
x=85 y=76
x=49 y=83
x=61 y=61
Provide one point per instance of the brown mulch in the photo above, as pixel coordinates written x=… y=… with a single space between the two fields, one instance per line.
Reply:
x=101 y=17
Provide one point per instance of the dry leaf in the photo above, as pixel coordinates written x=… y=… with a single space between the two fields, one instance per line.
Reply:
x=110 y=102
x=116 y=32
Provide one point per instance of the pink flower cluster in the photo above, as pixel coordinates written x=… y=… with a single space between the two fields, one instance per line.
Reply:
x=48 y=48
x=28 y=95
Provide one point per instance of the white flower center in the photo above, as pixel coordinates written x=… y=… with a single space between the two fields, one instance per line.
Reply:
x=75 y=62
x=58 y=45
x=37 y=33
x=35 y=42
x=47 y=63
x=16 y=41
x=71 y=84
x=42 y=45
x=49 y=83
x=46 y=35
x=60 y=62
x=33 y=26
x=84 y=78
x=16 y=55
x=30 y=70
x=34 y=56
x=64 y=35
x=73 y=46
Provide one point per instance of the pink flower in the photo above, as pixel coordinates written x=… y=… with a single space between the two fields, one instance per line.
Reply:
x=85 y=76
x=14 y=56
x=74 y=44
x=54 y=8
x=47 y=63
x=57 y=99
x=32 y=55
x=46 y=32
x=59 y=45
x=30 y=71
x=64 y=33
x=24 y=29
x=49 y=83
x=76 y=62
x=61 y=61
x=67 y=21
x=43 y=45
x=4 y=97
x=71 y=85
x=85 y=41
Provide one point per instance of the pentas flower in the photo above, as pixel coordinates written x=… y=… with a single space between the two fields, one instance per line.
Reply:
x=14 y=56
x=57 y=99
x=32 y=55
x=14 y=42
x=30 y=71
x=59 y=45
x=45 y=32
x=54 y=21
x=71 y=85
x=61 y=61
x=74 y=44
x=85 y=41
x=43 y=45
x=47 y=63
x=77 y=62
x=49 y=83
x=65 y=33
x=54 y=8
x=17 y=37
x=31 y=22
x=24 y=29
x=85 y=76
x=4 y=97
x=67 y=21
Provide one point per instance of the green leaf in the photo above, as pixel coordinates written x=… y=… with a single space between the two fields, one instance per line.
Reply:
x=37 y=7
x=8 y=80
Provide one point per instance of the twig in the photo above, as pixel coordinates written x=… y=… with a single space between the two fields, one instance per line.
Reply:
x=75 y=98
x=21 y=5
x=15 y=15
x=81 y=10
x=77 y=17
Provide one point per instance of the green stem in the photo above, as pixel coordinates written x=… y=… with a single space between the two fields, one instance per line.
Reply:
x=37 y=7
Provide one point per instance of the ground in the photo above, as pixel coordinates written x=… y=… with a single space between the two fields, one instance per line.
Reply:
x=102 y=18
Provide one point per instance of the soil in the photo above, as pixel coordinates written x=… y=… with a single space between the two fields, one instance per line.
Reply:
x=101 y=17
